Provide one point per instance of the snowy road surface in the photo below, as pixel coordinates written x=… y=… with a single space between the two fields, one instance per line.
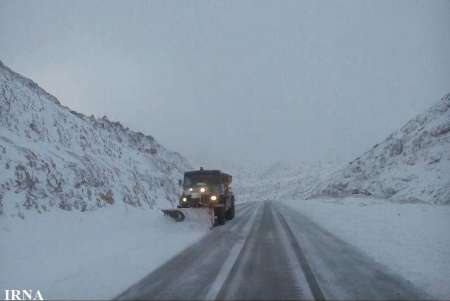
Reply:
x=270 y=251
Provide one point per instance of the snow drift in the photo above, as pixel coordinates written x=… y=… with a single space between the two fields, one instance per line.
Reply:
x=52 y=157
x=411 y=165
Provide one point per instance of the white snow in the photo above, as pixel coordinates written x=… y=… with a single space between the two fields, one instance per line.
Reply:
x=411 y=165
x=54 y=158
x=76 y=198
x=88 y=255
x=107 y=178
x=412 y=239
x=277 y=180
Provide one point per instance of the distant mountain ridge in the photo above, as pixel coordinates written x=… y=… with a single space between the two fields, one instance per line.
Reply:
x=53 y=157
x=411 y=165
x=278 y=180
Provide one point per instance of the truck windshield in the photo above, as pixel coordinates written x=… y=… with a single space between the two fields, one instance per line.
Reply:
x=212 y=182
x=216 y=188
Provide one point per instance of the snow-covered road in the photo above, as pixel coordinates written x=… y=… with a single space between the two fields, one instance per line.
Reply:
x=270 y=251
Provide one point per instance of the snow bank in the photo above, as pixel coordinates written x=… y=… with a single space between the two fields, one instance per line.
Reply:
x=88 y=255
x=412 y=239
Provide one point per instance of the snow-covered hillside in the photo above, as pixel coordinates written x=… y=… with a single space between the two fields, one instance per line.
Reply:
x=52 y=157
x=278 y=180
x=411 y=165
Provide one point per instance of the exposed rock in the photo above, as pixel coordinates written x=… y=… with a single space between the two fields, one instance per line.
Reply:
x=53 y=157
x=411 y=165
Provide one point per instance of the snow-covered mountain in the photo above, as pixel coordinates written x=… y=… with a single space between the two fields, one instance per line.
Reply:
x=52 y=157
x=411 y=165
x=278 y=180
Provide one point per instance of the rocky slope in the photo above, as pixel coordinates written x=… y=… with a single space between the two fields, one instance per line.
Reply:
x=411 y=165
x=52 y=157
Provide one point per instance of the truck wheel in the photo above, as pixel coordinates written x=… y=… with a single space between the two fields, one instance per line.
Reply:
x=230 y=212
x=220 y=213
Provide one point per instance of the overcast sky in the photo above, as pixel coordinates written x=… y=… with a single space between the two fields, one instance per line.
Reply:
x=246 y=80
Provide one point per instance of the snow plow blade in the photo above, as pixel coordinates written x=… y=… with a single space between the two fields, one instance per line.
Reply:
x=196 y=215
x=176 y=214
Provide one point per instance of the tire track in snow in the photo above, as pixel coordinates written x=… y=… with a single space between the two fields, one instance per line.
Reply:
x=225 y=270
x=307 y=272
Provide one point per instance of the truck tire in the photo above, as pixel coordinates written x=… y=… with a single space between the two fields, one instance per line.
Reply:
x=220 y=214
x=230 y=212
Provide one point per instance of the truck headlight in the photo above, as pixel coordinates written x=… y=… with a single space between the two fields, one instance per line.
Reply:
x=184 y=200
x=213 y=198
x=190 y=189
x=203 y=189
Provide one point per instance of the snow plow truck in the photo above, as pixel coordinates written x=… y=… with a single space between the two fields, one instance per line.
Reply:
x=206 y=193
